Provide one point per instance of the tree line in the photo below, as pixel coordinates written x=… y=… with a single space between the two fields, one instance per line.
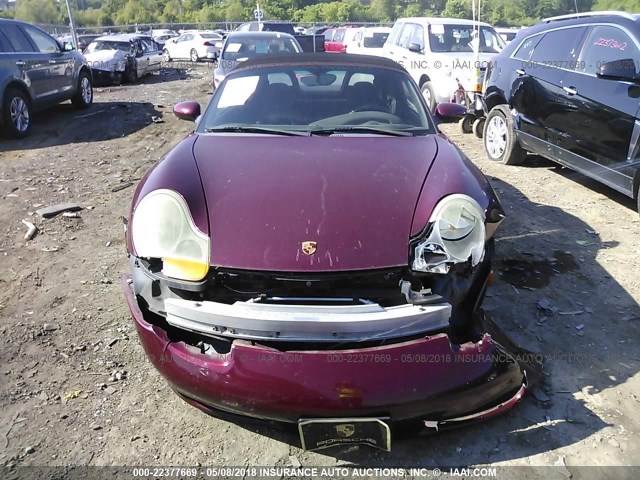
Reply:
x=90 y=13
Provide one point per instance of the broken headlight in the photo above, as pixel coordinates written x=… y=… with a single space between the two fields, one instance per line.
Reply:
x=162 y=227
x=456 y=234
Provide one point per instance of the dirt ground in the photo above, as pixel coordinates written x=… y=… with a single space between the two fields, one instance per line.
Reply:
x=76 y=388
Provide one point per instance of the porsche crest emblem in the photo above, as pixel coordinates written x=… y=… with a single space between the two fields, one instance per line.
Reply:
x=309 y=247
x=345 y=430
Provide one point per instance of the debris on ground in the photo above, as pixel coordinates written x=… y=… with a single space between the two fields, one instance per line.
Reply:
x=49 y=212
x=121 y=186
x=31 y=230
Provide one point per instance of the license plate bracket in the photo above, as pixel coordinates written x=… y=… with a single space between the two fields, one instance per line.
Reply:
x=319 y=433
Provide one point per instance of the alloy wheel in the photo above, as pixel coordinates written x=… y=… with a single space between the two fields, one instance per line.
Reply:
x=86 y=90
x=496 y=137
x=19 y=112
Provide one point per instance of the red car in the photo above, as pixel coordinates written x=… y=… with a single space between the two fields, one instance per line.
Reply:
x=336 y=40
x=316 y=253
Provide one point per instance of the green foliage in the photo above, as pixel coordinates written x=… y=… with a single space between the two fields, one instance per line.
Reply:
x=39 y=11
x=457 y=9
x=631 y=6
x=128 y=12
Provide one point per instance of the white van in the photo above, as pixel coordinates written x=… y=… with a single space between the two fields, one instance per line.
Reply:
x=443 y=55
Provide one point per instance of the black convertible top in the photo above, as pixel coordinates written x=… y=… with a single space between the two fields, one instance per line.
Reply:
x=310 y=59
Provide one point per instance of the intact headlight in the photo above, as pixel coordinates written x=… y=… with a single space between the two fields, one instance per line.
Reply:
x=162 y=227
x=457 y=235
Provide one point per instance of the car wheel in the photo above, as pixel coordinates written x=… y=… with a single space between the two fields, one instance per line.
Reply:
x=194 y=55
x=500 y=142
x=465 y=124
x=429 y=96
x=16 y=112
x=478 y=127
x=167 y=55
x=84 y=95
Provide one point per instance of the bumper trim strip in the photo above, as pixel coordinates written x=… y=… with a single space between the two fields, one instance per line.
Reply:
x=317 y=323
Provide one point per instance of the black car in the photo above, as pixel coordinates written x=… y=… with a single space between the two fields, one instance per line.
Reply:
x=568 y=89
x=36 y=72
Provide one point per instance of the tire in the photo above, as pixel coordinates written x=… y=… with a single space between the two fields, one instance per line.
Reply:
x=465 y=124
x=499 y=138
x=16 y=113
x=84 y=95
x=478 y=127
x=167 y=55
x=429 y=96
x=194 y=55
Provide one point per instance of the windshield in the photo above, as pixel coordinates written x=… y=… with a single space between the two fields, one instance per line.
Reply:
x=102 y=45
x=463 y=38
x=318 y=98
x=250 y=46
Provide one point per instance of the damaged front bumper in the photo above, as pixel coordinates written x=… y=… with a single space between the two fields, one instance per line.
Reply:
x=420 y=377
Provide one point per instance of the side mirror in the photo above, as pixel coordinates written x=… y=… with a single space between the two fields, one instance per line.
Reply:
x=624 y=69
x=415 y=48
x=187 y=110
x=450 y=112
x=67 y=46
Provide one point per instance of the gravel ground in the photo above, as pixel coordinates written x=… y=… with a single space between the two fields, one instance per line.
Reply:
x=76 y=388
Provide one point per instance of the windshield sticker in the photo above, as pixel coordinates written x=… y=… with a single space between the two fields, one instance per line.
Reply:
x=611 y=43
x=238 y=91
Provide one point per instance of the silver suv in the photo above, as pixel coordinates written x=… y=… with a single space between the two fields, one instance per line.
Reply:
x=445 y=56
x=37 y=72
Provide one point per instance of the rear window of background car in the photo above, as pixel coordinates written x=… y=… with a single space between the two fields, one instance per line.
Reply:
x=18 y=40
x=558 y=46
x=44 y=42
x=607 y=44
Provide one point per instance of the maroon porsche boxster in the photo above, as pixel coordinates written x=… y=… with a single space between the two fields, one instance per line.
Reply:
x=316 y=253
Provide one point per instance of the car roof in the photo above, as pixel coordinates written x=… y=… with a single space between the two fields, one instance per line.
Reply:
x=587 y=18
x=442 y=21
x=376 y=29
x=318 y=59
x=259 y=34
x=123 y=37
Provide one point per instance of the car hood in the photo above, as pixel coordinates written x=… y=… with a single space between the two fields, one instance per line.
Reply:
x=354 y=196
x=103 y=59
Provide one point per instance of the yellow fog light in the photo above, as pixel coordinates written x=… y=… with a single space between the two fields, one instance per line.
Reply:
x=184 y=269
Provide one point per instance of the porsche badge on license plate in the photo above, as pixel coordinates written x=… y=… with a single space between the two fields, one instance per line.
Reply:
x=318 y=433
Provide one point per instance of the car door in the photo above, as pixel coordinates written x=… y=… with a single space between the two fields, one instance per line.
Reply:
x=32 y=66
x=181 y=49
x=603 y=110
x=406 y=58
x=537 y=90
x=415 y=51
x=61 y=64
x=154 y=52
x=142 y=56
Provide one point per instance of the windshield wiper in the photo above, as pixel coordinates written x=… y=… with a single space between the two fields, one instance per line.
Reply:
x=360 y=129
x=248 y=129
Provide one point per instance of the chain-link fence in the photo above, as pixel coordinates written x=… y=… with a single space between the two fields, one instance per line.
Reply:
x=58 y=30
